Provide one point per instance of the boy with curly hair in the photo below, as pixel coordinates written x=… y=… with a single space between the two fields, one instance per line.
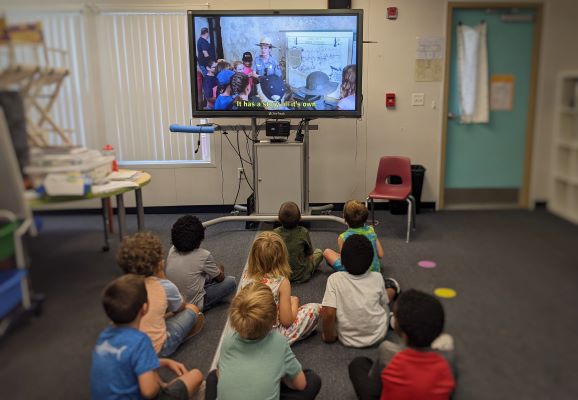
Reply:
x=303 y=258
x=424 y=368
x=193 y=269
x=124 y=363
x=142 y=254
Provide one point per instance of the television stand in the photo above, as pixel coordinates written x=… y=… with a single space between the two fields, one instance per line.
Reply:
x=271 y=215
x=304 y=188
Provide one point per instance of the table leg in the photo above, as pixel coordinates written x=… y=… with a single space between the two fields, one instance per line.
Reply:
x=121 y=215
x=105 y=202
x=139 y=209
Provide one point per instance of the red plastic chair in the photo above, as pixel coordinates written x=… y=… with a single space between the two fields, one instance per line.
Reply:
x=388 y=167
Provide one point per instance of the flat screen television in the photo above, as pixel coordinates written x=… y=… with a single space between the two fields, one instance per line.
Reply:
x=276 y=64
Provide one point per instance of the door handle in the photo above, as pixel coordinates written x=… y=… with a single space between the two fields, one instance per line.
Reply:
x=451 y=115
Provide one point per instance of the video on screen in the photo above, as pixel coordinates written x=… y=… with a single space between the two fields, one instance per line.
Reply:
x=276 y=62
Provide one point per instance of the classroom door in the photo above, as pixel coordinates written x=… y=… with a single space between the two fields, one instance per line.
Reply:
x=488 y=164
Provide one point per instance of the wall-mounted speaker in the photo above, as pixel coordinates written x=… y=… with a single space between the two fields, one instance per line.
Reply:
x=338 y=4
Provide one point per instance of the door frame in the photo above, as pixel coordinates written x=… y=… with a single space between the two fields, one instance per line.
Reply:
x=524 y=193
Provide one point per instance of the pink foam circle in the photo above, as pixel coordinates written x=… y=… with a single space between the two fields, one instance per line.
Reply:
x=427 y=264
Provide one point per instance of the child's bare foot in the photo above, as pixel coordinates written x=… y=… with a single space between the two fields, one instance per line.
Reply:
x=198 y=326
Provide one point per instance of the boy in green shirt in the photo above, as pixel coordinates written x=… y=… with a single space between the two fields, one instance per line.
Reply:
x=255 y=362
x=303 y=259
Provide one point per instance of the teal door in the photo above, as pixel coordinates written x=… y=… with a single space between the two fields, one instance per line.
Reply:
x=485 y=163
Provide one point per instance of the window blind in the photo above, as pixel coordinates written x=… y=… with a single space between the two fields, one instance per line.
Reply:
x=144 y=64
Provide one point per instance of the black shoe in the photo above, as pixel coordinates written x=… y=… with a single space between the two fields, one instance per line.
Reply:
x=391 y=283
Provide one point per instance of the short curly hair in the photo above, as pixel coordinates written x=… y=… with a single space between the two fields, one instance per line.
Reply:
x=355 y=213
x=357 y=254
x=289 y=215
x=140 y=254
x=420 y=316
x=187 y=233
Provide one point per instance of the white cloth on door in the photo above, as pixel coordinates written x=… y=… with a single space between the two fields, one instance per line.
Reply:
x=473 y=74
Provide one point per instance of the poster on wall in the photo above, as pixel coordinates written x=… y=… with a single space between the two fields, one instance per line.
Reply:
x=428 y=59
x=502 y=92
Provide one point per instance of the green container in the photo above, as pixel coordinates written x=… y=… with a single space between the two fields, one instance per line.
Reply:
x=7 y=240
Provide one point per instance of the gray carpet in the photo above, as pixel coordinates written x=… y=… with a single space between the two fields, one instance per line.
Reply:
x=516 y=274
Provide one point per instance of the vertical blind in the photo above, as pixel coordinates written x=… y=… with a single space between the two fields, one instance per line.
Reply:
x=64 y=31
x=144 y=64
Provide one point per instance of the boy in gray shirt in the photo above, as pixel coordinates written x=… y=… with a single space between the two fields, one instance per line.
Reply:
x=193 y=269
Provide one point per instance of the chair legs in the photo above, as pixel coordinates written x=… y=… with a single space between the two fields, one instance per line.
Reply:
x=411 y=214
x=372 y=207
x=409 y=217
x=414 y=210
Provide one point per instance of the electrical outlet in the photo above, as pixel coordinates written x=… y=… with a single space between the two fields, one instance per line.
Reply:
x=417 y=99
x=240 y=173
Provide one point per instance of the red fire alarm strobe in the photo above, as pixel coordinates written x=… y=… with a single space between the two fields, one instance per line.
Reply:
x=390 y=100
x=391 y=12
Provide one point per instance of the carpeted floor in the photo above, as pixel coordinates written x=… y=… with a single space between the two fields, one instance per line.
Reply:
x=515 y=272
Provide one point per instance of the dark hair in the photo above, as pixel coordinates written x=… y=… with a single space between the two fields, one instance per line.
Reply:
x=123 y=298
x=357 y=254
x=355 y=213
x=239 y=82
x=204 y=30
x=140 y=254
x=289 y=215
x=420 y=316
x=187 y=233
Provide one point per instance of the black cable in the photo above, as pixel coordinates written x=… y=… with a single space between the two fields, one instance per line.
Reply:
x=225 y=133
x=243 y=165
x=238 y=190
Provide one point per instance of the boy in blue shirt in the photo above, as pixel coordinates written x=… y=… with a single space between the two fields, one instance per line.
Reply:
x=124 y=362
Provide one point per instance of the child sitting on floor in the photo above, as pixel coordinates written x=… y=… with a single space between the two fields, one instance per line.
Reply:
x=193 y=269
x=268 y=264
x=124 y=362
x=355 y=304
x=355 y=214
x=256 y=362
x=416 y=371
x=303 y=259
x=142 y=254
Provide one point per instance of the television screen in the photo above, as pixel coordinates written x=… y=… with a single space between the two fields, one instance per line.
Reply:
x=291 y=63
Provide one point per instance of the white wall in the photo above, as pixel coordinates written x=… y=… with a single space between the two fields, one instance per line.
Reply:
x=344 y=153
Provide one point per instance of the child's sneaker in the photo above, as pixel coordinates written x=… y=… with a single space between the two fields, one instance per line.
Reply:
x=317 y=257
x=391 y=283
x=444 y=342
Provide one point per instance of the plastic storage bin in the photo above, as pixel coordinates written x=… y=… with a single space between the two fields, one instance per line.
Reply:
x=7 y=239
x=10 y=289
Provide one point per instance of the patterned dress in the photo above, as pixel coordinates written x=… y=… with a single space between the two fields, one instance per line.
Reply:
x=307 y=314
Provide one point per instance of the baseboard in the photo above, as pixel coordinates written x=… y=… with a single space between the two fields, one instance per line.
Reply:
x=540 y=205
x=206 y=209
